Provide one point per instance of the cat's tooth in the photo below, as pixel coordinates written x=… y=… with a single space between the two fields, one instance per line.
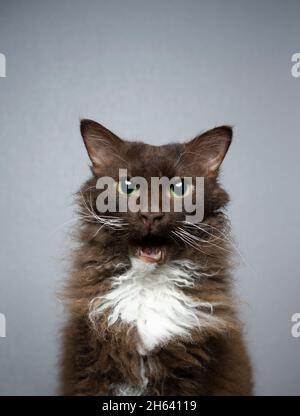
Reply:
x=158 y=255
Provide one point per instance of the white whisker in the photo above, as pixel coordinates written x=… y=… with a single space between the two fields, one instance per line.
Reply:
x=108 y=221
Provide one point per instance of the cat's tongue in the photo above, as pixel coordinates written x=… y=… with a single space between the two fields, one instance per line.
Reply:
x=150 y=254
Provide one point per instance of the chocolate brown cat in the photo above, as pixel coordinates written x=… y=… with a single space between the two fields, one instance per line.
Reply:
x=149 y=300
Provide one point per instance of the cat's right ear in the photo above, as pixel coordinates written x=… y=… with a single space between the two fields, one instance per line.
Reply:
x=102 y=145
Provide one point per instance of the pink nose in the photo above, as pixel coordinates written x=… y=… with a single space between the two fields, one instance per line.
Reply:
x=149 y=218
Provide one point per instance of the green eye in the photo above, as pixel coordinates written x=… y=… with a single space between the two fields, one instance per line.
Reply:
x=180 y=189
x=126 y=187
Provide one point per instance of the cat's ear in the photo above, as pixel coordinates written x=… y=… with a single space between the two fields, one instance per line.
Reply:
x=102 y=145
x=210 y=148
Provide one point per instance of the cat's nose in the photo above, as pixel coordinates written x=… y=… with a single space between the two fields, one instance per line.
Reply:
x=150 y=218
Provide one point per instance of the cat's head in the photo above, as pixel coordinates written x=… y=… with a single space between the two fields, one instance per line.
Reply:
x=153 y=234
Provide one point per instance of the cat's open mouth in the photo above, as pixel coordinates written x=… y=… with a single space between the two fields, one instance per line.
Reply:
x=151 y=254
x=150 y=249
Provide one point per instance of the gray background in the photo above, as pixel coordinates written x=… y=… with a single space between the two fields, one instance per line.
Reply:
x=159 y=71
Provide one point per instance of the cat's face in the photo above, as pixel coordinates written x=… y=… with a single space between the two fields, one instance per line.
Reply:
x=155 y=234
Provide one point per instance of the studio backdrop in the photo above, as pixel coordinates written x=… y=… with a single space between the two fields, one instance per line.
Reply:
x=157 y=71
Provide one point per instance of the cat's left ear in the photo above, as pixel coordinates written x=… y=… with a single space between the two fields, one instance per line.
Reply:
x=102 y=145
x=210 y=148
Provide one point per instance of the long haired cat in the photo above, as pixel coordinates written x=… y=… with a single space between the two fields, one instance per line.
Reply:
x=150 y=307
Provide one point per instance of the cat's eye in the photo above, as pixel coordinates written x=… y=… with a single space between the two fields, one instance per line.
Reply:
x=126 y=187
x=180 y=189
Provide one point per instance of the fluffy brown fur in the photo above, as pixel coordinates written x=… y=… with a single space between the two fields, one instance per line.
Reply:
x=96 y=357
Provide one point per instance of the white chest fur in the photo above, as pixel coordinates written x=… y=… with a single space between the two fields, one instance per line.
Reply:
x=149 y=297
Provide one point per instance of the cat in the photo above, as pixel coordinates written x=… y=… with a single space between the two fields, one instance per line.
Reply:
x=149 y=299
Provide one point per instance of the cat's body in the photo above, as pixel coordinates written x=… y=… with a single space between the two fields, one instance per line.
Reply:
x=142 y=326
